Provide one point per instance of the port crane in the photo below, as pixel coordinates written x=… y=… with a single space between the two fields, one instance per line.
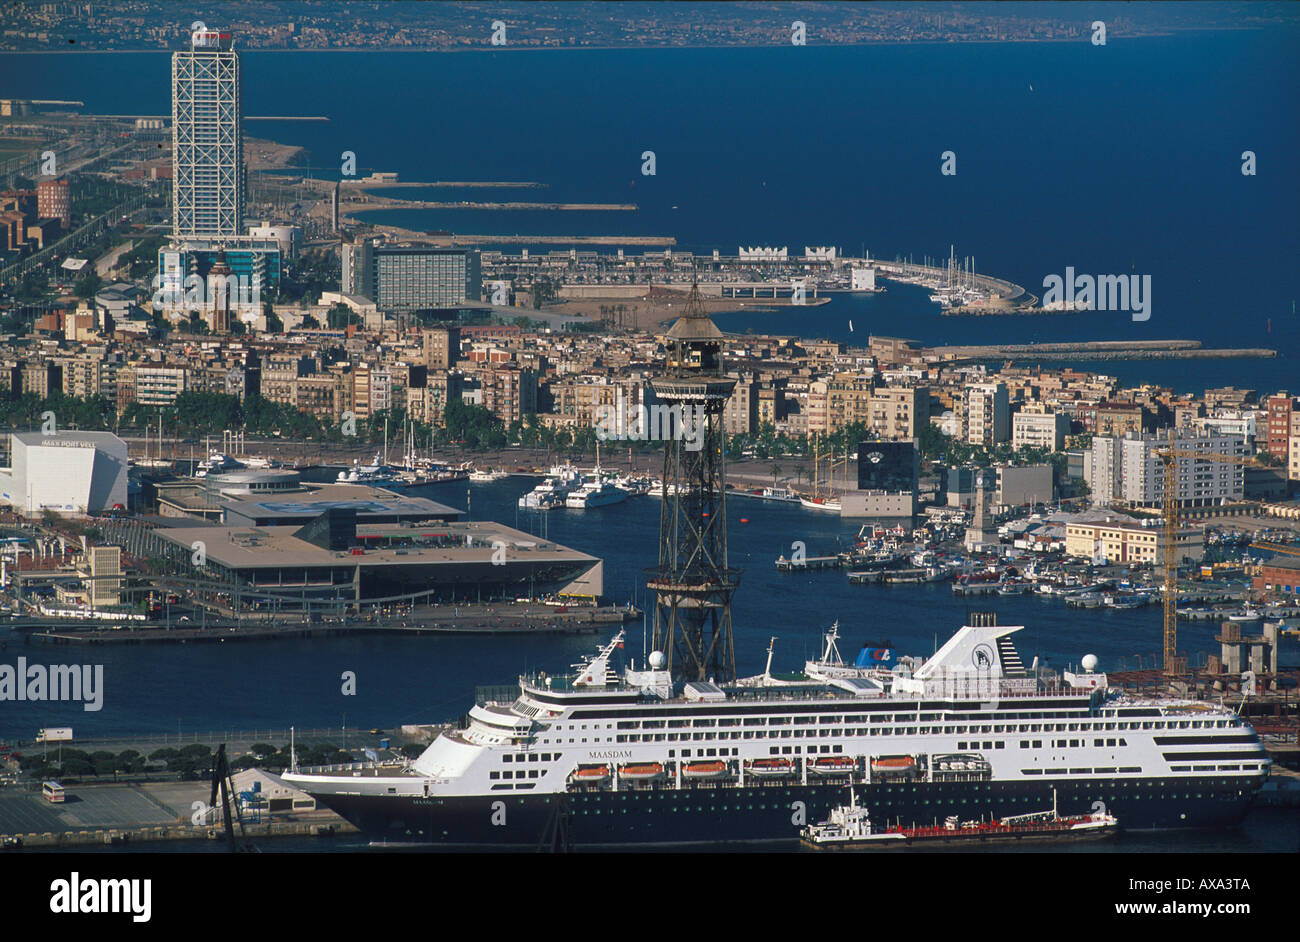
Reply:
x=1174 y=664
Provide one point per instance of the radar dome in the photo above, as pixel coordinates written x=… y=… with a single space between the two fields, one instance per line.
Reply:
x=657 y=660
x=1089 y=662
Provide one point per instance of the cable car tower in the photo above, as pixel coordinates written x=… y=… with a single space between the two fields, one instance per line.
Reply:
x=693 y=582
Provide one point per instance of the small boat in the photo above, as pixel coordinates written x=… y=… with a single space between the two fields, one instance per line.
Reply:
x=712 y=769
x=893 y=766
x=488 y=476
x=833 y=765
x=770 y=768
x=850 y=826
x=641 y=771
x=591 y=774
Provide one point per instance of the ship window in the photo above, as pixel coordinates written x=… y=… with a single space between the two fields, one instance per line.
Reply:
x=507 y=758
x=672 y=753
x=1024 y=744
x=961 y=745
x=1000 y=745
x=494 y=775
x=773 y=750
x=1038 y=744
x=686 y=753
x=1123 y=742
x=1099 y=742
x=785 y=750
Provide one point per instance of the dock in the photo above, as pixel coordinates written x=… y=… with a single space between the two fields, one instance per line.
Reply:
x=503 y=619
x=810 y=563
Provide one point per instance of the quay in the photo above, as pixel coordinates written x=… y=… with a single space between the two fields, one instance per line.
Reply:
x=1094 y=350
x=119 y=814
x=811 y=562
x=501 y=619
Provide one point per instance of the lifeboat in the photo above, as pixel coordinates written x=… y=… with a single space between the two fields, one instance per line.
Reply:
x=895 y=764
x=833 y=765
x=771 y=768
x=591 y=774
x=641 y=771
x=706 y=770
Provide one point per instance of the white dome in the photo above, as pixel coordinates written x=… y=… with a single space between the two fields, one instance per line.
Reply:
x=1089 y=662
x=657 y=660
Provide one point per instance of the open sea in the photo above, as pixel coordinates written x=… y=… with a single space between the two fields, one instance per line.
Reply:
x=1116 y=159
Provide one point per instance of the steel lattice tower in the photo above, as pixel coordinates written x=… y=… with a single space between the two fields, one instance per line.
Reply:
x=207 y=138
x=693 y=583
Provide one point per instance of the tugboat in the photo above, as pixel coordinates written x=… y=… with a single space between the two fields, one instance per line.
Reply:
x=850 y=826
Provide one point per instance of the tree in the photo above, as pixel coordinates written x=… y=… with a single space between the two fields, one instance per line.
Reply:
x=88 y=285
x=340 y=316
x=273 y=323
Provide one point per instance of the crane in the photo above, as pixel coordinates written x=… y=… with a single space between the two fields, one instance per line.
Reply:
x=1174 y=664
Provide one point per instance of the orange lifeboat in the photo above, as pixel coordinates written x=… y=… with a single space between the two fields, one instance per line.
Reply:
x=706 y=770
x=641 y=771
x=591 y=774
x=833 y=765
x=771 y=768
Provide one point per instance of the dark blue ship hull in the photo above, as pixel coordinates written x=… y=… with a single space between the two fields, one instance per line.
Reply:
x=773 y=813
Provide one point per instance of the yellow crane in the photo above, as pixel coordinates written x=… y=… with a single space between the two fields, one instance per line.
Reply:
x=1175 y=665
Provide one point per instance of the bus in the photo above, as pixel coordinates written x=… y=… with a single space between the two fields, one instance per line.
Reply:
x=53 y=791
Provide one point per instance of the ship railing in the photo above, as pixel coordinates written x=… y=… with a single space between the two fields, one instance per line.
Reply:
x=351 y=767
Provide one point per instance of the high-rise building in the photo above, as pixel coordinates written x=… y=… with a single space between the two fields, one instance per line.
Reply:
x=408 y=278
x=988 y=414
x=1129 y=470
x=52 y=201
x=208 y=183
x=1280 y=409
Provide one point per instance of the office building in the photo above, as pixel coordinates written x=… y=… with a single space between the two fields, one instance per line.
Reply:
x=208 y=183
x=888 y=473
x=411 y=278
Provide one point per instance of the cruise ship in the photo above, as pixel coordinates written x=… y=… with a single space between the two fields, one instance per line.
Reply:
x=639 y=758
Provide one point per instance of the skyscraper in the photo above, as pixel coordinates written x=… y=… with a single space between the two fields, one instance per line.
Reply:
x=207 y=138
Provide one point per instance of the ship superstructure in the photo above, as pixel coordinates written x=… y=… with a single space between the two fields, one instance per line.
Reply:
x=635 y=757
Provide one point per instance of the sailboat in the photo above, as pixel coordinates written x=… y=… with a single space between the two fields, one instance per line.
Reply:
x=160 y=462
x=830 y=504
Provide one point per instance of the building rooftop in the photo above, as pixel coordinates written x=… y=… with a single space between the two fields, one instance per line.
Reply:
x=447 y=544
